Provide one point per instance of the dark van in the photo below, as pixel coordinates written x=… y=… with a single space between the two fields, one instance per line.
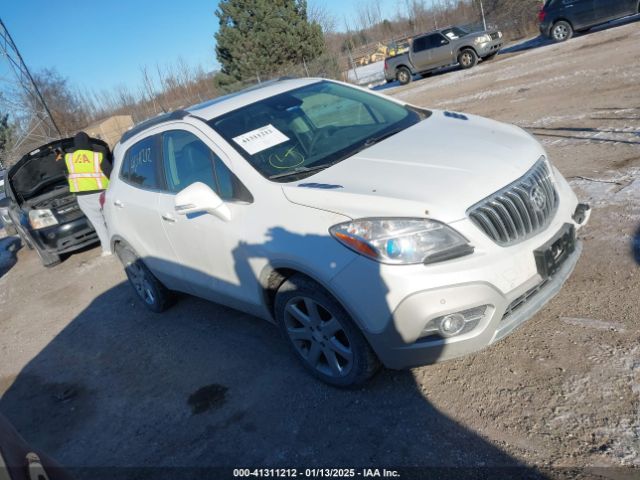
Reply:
x=559 y=19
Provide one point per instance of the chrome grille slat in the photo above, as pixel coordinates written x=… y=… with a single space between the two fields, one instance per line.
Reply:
x=518 y=221
x=517 y=212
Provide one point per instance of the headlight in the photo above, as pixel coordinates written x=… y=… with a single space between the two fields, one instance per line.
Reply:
x=42 y=218
x=499 y=34
x=401 y=241
x=482 y=39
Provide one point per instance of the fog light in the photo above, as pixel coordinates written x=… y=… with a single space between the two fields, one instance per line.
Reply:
x=451 y=325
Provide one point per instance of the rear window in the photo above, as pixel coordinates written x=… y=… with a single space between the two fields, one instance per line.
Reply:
x=140 y=165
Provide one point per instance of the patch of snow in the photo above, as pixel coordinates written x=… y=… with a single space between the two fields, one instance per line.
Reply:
x=592 y=323
x=367 y=74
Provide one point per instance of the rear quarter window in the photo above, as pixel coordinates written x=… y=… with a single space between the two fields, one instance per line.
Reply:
x=140 y=165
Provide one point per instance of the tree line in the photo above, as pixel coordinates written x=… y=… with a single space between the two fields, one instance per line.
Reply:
x=258 y=40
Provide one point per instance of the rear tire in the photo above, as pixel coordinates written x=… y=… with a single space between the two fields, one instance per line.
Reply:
x=467 y=58
x=322 y=335
x=155 y=296
x=561 y=31
x=403 y=75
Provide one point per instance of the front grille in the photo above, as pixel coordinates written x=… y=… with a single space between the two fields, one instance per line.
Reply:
x=520 y=210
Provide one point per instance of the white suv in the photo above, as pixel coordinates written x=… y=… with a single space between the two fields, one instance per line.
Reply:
x=368 y=229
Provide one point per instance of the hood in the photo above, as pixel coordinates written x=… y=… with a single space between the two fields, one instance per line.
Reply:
x=436 y=168
x=37 y=171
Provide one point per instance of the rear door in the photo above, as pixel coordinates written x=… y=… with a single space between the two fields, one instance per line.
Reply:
x=420 y=53
x=581 y=13
x=134 y=209
x=610 y=9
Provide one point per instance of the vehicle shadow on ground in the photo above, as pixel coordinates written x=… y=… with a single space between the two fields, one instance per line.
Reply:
x=205 y=386
x=9 y=247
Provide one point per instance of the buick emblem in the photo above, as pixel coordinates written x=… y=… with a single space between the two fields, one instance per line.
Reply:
x=538 y=198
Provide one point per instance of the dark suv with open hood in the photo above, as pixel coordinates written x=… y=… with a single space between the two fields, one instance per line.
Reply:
x=43 y=211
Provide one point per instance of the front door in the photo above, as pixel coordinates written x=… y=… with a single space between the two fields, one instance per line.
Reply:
x=208 y=248
x=440 y=50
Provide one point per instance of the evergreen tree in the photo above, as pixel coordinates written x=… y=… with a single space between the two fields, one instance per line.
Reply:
x=259 y=37
x=6 y=137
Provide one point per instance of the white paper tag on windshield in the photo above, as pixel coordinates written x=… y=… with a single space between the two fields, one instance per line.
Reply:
x=260 y=139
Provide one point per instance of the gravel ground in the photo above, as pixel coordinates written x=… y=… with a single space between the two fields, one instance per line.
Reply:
x=90 y=376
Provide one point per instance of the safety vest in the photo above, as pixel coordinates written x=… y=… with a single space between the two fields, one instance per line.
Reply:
x=85 y=174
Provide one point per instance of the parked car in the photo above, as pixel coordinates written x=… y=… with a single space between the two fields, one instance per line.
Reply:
x=361 y=225
x=41 y=208
x=559 y=19
x=441 y=48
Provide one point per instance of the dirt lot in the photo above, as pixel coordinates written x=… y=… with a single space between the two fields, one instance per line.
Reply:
x=90 y=376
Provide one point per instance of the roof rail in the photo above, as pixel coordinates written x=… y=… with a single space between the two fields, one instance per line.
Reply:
x=157 y=120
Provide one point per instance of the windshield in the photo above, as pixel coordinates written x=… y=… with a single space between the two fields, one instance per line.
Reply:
x=292 y=135
x=454 y=32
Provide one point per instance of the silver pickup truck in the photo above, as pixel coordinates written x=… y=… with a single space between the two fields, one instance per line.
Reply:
x=441 y=48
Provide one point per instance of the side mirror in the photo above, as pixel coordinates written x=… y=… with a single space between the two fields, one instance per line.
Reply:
x=199 y=198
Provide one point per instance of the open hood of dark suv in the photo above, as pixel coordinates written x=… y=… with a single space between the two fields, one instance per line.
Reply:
x=38 y=171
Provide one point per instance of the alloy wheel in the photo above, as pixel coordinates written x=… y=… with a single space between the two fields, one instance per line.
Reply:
x=140 y=282
x=560 y=32
x=318 y=336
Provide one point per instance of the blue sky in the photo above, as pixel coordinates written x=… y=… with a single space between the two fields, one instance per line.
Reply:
x=102 y=44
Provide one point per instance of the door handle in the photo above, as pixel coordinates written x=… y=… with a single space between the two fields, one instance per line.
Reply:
x=118 y=203
x=167 y=217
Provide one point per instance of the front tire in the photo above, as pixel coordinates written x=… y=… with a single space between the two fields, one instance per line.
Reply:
x=467 y=58
x=561 y=31
x=403 y=75
x=322 y=335
x=155 y=296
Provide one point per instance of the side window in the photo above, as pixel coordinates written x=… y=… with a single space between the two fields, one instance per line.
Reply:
x=187 y=160
x=438 y=40
x=139 y=166
x=420 y=44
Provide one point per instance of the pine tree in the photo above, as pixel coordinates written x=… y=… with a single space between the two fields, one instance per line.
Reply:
x=6 y=137
x=257 y=38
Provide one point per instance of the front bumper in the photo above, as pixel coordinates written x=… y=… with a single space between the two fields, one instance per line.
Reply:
x=505 y=314
x=65 y=237
x=393 y=304
x=489 y=48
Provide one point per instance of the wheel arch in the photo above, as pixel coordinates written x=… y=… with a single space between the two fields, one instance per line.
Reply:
x=466 y=47
x=398 y=67
x=275 y=274
x=562 y=19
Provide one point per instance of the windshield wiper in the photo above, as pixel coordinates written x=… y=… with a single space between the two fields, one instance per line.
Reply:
x=299 y=171
x=369 y=142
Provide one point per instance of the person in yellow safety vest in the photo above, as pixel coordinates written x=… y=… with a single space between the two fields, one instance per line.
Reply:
x=89 y=168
